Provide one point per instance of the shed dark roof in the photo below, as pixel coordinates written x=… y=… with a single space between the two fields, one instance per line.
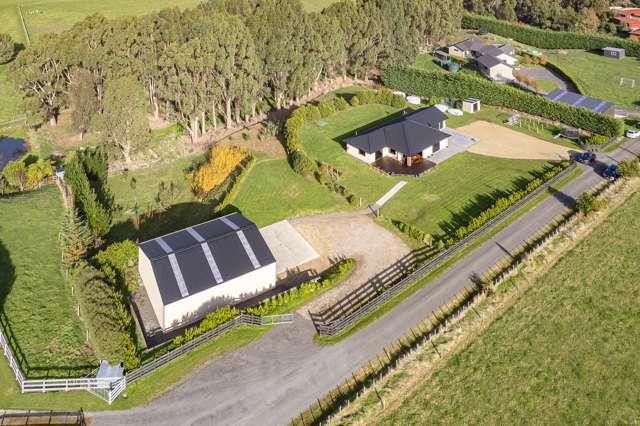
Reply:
x=409 y=134
x=491 y=51
x=197 y=258
x=507 y=48
x=577 y=100
x=489 y=61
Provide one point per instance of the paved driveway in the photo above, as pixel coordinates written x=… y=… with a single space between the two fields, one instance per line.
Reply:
x=274 y=379
x=546 y=74
x=458 y=142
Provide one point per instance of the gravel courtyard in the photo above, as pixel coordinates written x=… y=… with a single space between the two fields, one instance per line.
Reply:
x=357 y=236
x=502 y=142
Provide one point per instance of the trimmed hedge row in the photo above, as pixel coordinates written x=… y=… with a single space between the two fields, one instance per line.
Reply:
x=228 y=190
x=503 y=204
x=211 y=321
x=557 y=68
x=461 y=85
x=548 y=39
x=413 y=232
x=332 y=276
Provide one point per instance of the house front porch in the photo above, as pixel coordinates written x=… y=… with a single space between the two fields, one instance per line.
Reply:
x=394 y=167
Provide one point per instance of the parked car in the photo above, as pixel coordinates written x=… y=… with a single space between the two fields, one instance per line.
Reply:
x=586 y=157
x=633 y=133
x=611 y=172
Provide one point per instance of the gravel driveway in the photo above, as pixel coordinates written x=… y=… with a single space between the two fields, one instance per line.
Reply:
x=338 y=236
x=546 y=74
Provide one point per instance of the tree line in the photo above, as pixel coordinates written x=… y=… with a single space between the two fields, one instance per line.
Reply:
x=221 y=63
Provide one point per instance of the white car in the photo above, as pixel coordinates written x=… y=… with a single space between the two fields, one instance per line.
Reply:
x=633 y=133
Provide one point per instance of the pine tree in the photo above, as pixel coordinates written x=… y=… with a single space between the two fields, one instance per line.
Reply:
x=75 y=238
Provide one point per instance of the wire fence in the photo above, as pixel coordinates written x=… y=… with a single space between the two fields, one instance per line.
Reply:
x=67 y=418
x=353 y=309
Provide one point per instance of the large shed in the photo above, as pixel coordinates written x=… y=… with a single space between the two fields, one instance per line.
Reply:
x=581 y=101
x=613 y=52
x=193 y=271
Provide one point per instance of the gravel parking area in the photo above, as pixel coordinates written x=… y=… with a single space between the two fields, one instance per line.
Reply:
x=337 y=236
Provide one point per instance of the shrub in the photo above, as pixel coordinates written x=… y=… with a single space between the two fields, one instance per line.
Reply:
x=75 y=239
x=104 y=311
x=463 y=85
x=332 y=276
x=340 y=103
x=355 y=101
x=302 y=164
x=326 y=108
x=223 y=159
x=118 y=262
x=312 y=113
x=548 y=39
x=211 y=321
x=589 y=203
x=7 y=48
x=597 y=140
x=270 y=130
x=413 y=232
x=233 y=186
x=629 y=168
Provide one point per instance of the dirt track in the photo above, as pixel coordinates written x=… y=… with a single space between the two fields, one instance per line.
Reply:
x=502 y=142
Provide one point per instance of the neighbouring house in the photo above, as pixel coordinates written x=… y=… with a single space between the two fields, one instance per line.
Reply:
x=466 y=49
x=407 y=139
x=193 y=271
x=632 y=23
x=581 y=101
x=494 y=69
x=613 y=52
x=499 y=54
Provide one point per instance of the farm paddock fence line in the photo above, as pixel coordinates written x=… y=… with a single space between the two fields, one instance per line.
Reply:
x=109 y=389
x=357 y=304
x=66 y=418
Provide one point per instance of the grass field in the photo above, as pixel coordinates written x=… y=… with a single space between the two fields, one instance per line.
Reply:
x=9 y=98
x=600 y=76
x=34 y=296
x=138 y=393
x=562 y=354
x=461 y=186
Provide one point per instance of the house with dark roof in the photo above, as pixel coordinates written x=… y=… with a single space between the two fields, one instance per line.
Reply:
x=581 y=101
x=499 y=54
x=467 y=48
x=191 y=272
x=407 y=139
x=495 y=69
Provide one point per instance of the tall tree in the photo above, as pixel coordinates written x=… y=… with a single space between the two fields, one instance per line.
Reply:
x=125 y=116
x=7 y=48
x=83 y=100
x=75 y=238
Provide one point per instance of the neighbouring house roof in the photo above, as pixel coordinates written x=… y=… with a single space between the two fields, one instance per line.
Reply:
x=507 y=48
x=471 y=44
x=581 y=101
x=633 y=23
x=197 y=258
x=409 y=134
x=489 y=61
x=491 y=51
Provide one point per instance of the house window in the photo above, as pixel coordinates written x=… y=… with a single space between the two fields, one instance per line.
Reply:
x=392 y=151
x=361 y=152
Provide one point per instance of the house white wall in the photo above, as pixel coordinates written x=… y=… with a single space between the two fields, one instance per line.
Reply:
x=510 y=60
x=429 y=151
x=252 y=283
x=150 y=285
x=498 y=72
x=455 y=51
x=367 y=158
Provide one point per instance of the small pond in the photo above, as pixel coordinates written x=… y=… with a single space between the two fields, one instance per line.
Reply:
x=11 y=148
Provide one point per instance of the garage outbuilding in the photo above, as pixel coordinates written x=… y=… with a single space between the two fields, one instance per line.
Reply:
x=196 y=270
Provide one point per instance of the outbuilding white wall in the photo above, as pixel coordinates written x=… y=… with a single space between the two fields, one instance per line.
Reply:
x=249 y=284
x=150 y=285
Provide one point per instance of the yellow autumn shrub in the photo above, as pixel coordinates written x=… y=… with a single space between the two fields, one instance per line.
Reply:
x=222 y=161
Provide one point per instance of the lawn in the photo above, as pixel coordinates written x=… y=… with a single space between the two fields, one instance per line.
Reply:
x=138 y=393
x=35 y=298
x=462 y=185
x=564 y=353
x=273 y=192
x=9 y=98
x=600 y=76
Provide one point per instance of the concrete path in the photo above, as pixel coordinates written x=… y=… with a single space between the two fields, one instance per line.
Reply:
x=458 y=142
x=272 y=380
x=386 y=197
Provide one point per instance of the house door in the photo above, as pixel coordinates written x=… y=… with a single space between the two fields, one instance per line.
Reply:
x=378 y=155
x=436 y=147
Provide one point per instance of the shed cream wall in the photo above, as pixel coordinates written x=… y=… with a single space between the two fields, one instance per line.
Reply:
x=501 y=71
x=150 y=285
x=254 y=282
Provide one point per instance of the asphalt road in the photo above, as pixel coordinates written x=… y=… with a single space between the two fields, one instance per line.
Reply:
x=274 y=379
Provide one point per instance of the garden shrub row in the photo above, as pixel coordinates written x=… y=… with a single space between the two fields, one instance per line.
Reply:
x=548 y=39
x=413 y=232
x=211 y=321
x=105 y=313
x=221 y=162
x=229 y=188
x=329 y=278
x=461 y=85
x=503 y=203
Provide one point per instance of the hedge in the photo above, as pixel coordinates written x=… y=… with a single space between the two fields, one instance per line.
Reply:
x=119 y=263
x=503 y=203
x=560 y=70
x=229 y=188
x=417 y=234
x=461 y=86
x=211 y=321
x=332 y=276
x=548 y=39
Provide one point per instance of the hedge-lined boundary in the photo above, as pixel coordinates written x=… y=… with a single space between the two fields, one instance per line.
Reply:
x=557 y=68
x=227 y=191
x=461 y=86
x=548 y=39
